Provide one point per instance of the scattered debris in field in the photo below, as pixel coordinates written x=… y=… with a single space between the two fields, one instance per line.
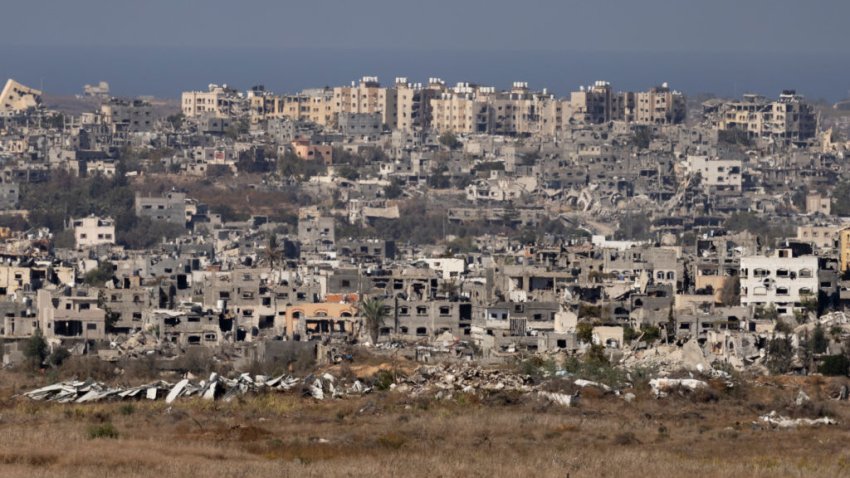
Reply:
x=662 y=386
x=216 y=387
x=778 y=421
x=561 y=398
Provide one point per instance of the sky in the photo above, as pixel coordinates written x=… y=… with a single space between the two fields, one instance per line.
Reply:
x=461 y=25
x=163 y=47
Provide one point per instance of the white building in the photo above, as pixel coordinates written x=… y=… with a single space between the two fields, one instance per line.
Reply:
x=449 y=267
x=93 y=231
x=781 y=280
x=723 y=174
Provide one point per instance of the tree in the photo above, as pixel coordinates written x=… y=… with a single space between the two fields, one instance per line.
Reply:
x=766 y=313
x=237 y=128
x=35 y=349
x=819 y=340
x=176 y=120
x=450 y=141
x=841 y=199
x=634 y=227
x=449 y=288
x=97 y=277
x=835 y=366
x=642 y=136
x=348 y=173
x=734 y=137
x=584 y=332
x=730 y=294
x=374 y=314
x=393 y=190
x=272 y=253
x=110 y=316
x=780 y=354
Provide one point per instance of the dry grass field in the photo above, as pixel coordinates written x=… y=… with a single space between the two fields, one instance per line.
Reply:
x=388 y=434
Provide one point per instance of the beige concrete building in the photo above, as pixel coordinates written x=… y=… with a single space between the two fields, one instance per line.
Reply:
x=822 y=237
x=127 y=116
x=413 y=110
x=659 y=105
x=70 y=316
x=717 y=174
x=315 y=105
x=469 y=108
x=367 y=96
x=17 y=98
x=818 y=204
x=788 y=119
x=93 y=231
x=217 y=101
x=461 y=109
x=598 y=103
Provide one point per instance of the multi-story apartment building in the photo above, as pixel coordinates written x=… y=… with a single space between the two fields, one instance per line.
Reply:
x=821 y=237
x=93 y=231
x=659 y=105
x=413 y=110
x=217 y=101
x=782 y=280
x=16 y=98
x=469 y=108
x=367 y=96
x=461 y=109
x=127 y=116
x=788 y=119
x=598 y=103
x=717 y=174
x=172 y=207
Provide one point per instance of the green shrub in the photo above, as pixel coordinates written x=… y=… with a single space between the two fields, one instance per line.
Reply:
x=103 y=430
x=835 y=365
x=584 y=332
x=383 y=380
x=392 y=440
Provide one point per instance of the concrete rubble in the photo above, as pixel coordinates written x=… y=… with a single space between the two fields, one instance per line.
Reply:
x=462 y=378
x=562 y=399
x=662 y=386
x=215 y=388
x=778 y=421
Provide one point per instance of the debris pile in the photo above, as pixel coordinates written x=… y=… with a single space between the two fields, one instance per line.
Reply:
x=443 y=380
x=328 y=386
x=778 y=421
x=217 y=387
x=137 y=344
x=662 y=386
x=562 y=399
x=689 y=357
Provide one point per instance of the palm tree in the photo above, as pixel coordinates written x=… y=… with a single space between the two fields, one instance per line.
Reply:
x=373 y=313
x=271 y=253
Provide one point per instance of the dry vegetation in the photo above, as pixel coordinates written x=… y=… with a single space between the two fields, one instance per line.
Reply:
x=387 y=434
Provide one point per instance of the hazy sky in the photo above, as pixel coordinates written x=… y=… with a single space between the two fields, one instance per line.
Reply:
x=607 y=25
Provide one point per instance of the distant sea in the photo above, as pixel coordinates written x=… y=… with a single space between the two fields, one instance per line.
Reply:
x=165 y=72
